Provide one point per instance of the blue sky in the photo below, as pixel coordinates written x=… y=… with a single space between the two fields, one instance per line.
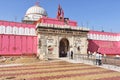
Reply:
x=94 y=14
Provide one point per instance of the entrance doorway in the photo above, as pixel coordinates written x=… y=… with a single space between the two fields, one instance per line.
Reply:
x=63 y=47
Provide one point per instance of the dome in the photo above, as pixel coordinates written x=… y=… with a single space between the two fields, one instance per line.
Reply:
x=34 y=13
x=36 y=10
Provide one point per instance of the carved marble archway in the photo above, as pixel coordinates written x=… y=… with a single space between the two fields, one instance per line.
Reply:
x=63 y=47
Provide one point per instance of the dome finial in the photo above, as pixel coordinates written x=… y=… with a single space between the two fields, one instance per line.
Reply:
x=37 y=2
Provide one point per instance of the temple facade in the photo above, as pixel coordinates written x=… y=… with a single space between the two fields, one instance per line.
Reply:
x=56 y=36
x=56 y=40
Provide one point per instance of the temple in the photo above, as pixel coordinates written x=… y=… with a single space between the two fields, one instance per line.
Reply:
x=43 y=36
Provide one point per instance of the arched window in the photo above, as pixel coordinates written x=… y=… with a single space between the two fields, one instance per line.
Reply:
x=106 y=37
x=117 y=38
x=109 y=37
x=21 y=31
x=32 y=31
x=97 y=36
x=0 y=29
x=94 y=36
x=100 y=37
x=8 y=30
x=17 y=30
x=3 y=29
x=103 y=37
x=14 y=30
x=27 y=31
x=91 y=36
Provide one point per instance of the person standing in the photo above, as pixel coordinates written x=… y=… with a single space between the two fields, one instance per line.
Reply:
x=97 y=58
x=71 y=54
x=100 y=59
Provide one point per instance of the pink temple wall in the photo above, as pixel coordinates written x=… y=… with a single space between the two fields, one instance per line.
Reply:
x=18 y=45
x=102 y=46
x=14 y=44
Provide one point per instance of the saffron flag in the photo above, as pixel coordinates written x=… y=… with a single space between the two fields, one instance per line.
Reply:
x=59 y=12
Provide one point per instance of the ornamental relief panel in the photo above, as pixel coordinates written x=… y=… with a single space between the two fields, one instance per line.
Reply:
x=50 y=40
x=77 y=42
x=50 y=44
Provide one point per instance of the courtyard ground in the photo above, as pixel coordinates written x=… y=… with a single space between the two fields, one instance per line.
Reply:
x=33 y=69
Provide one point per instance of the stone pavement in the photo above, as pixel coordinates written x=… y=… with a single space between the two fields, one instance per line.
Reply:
x=64 y=69
x=106 y=66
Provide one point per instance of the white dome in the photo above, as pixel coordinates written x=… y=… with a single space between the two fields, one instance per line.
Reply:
x=36 y=10
x=34 y=13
